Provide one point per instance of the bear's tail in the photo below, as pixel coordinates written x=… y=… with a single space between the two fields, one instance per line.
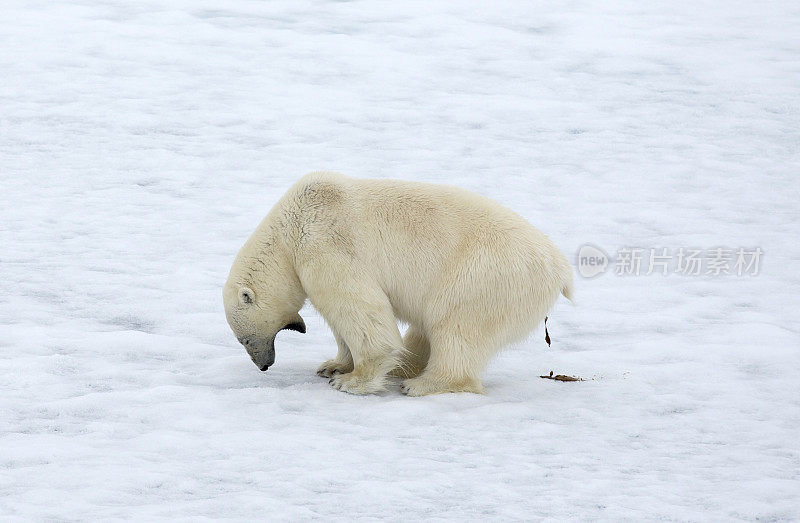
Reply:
x=567 y=288
x=567 y=291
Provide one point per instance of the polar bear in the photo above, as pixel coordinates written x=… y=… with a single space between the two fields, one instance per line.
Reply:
x=467 y=275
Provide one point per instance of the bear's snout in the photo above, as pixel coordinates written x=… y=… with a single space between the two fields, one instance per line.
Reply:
x=261 y=350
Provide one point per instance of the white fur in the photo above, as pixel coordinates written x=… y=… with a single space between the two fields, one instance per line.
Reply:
x=467 y=275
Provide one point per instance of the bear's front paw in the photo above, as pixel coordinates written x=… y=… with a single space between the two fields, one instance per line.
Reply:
x=332 y=367
x=355 y=384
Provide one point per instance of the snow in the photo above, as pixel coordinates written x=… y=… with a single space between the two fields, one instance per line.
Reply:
x=140 y=144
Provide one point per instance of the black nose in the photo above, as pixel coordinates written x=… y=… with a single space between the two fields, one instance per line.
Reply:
x=265 y=367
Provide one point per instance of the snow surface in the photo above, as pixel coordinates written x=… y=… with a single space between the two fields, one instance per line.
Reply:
x=141 y=142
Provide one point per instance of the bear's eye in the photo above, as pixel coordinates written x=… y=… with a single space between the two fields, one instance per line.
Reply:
x=246 y=296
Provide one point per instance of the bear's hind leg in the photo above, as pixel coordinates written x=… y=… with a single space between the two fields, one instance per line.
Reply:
x=455 y=365
x=415 y=356
x=341 y=364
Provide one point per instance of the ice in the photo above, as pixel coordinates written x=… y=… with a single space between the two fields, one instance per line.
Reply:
x=141 y=143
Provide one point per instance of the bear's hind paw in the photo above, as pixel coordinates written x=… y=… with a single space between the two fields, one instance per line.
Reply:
x=424 y=385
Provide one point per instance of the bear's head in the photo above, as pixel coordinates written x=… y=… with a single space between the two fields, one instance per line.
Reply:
x=262 y=297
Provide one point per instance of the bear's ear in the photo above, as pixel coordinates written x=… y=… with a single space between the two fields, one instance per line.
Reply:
x=246 y=295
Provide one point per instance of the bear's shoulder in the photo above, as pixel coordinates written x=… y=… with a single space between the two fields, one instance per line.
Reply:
x=321 y=188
